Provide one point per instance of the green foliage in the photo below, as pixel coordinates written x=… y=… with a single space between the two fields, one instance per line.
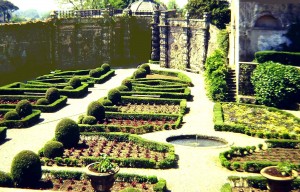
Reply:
x=6 y=180
x=146 y=67
x=123 y=88
x=130 y=189
x=286 y=58
x=67 y=132
x=282 y=143
x=226 y=188
x=97 y=110
x=105 y=67
x=26 y=169
x=68 y=87
x=94 y=73
x=12 y=115
x=276 y=85
x=114 y=96
x=294 y=36
x=127 y=83
x=105 y=165
x=52 y=94
x=139 y=73
x=223 y=41
x=220 y=13
x=3 y=131
x=160 y=186
x=90 y=120
x=24 y=108
x=53 y=149
x=75 y=82
x=105 y=102
x=42 y=101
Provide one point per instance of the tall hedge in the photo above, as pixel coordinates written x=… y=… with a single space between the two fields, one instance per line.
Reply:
x=276 y=85
x=287 y=58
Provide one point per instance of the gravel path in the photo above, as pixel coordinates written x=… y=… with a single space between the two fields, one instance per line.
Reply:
x=199 y=168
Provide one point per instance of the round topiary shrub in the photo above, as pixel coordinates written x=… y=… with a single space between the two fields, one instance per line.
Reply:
x=26 y=169
x=90 y=120
x=52 y=94
x=12 y=115
x=106 y=102
x=75 y=82
x=24 y=108
x=97 y=110
x=68 y=87
x=53 y=149
x=114 y=96
x=80 y=118
x=127 y=83
x=139 y=73
x=100 y=70
x=105 y=67
x=42 y=101
x=94 y=73
x=123 y=88
x=6 y=180
x=146 y=67
x=67 y=132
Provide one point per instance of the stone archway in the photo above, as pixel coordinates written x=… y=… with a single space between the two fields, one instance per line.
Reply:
x=268 y=22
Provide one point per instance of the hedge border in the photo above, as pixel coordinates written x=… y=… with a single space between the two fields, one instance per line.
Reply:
x=285 y=58
x=3 y=131
x=23 y=123
x=183 y=77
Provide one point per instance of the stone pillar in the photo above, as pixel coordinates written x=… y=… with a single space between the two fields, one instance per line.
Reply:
x=186 y=39
x=155 y=53
x=164 y=32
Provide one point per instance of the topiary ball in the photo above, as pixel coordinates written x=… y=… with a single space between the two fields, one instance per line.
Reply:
x=114 y=96
x=68 y=87
x=106 y=102
x=100 y=70
x=123 y=88
x=6 y=180
x=53 y=149
x=26 y=169
x=90 y=120
x=75 y=82
x=139 y=73
x=12 y=115
x=52 y=94
x=97 y=110
x=24 y=108
x=146 y=67
x=42 y=101
x=105 y=67
x=127 y=83
x=94 y=73
x=67 y=132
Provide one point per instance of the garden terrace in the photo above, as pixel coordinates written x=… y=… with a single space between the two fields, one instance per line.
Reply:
x=10 y=101
x=124 y=149
x=23 y=123
x=19 y=88
x=256 y=120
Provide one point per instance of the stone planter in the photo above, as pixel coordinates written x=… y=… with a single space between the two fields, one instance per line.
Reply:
x=278 y=184
x=101 y=182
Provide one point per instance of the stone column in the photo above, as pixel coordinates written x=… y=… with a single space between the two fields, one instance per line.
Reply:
x=164 y=32
x=54 y=40
x=186 y=39
x=155 y=53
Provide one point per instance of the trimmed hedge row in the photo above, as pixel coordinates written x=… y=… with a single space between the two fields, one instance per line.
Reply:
x=55 y=106
x=219 y=124
x=23 y=123
x=287 y=58
x=160 y=184
x=160 y=89
x=169 y=162
x=283 y=143
x=183 y=77
x=3 y=131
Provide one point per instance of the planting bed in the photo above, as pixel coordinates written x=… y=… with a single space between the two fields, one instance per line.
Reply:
x=147 y=108
x=22 y=123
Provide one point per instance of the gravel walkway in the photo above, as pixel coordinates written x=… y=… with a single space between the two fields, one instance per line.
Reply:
x=199 y=168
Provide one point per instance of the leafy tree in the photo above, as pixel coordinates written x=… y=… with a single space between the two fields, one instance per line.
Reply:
x=220 y=14
x=6 y=9
x=95 y=4
x=172 y=4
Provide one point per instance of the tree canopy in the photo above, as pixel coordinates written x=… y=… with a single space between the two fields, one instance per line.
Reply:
x=6 y=8
x=95 y=4
x=219 y=9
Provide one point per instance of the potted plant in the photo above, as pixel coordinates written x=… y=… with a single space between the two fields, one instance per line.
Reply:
x=280 y=177
x=102 y=174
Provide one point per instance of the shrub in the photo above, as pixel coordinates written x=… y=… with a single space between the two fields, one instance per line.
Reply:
x=94 y=73
x=42 y=101
x=139 y=73
x=100 y=70
x=146 y=67
x=105 y=67
x=127 y=83
x=75 y=82
x=130 y=189
x=67 y=132
x=80 y=118
x=106 y=102
x=114 y=96
x=12 y=115
x=6 y=180
x=287 y=58
x=26 y=169
x=97 y=110
x=24 y=108
x=69 y=87
x=276 y=85
x=90 y=120
x=123 y=88
x=3 y=131
x=53 y=149
x=52 y=95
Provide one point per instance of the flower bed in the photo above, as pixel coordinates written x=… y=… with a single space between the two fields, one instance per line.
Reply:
x=23 y=123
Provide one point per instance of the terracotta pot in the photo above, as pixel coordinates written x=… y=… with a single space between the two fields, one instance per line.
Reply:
x=278 y=184
x=101 y=182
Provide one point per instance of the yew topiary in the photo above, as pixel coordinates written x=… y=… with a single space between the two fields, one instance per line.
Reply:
x=139 y=73
x=6 y=180
x=24 y=108
x=67 y=132
x=105 y=102
x=96 y=110
x=75 y=82
x=42 y=101
x=105 y=67
x=127 y=83
x=90 y=120
x=52 y=94
x=94 y=73
x=26 y=169
x=146 y=67
x=114 y=96
x=12 y=115
x=123 y=88
x=53 y=149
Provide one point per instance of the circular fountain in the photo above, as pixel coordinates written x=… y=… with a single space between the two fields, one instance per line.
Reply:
x=197 y=141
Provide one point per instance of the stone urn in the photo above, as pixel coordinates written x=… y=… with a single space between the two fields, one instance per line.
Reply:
x=276 y=181
x=101 y=182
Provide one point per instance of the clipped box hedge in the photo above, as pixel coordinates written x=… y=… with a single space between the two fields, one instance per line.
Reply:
x=283 y=143
x=287 y=58
x=3 y=131
x=183 y=77
x=23 y=123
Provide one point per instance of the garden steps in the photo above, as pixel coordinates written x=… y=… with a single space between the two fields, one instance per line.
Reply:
x=231 y=82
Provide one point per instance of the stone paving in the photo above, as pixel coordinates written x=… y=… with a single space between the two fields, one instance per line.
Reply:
x=199 y=169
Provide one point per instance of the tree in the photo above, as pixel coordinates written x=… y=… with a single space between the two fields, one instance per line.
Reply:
x=172 y=4
x=219 y=9
x=95 y=4
x=6 y=9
